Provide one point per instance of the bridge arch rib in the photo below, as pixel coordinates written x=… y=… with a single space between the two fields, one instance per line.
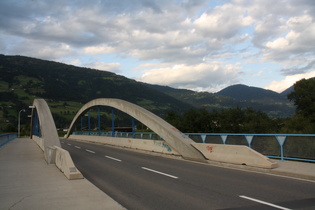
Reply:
x=46 y=125
x=180 y=142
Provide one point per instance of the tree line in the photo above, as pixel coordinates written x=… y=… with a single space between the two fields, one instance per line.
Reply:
x=248 y=120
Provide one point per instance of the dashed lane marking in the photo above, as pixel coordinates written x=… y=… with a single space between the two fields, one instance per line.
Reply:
x=159 y=172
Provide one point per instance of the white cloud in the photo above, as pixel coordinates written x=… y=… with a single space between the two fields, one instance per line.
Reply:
x=204 y=76
x=112 y=67
x=168 y=33
x=288 y=81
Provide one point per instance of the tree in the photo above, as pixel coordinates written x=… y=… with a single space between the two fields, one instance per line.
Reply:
x=303 y=97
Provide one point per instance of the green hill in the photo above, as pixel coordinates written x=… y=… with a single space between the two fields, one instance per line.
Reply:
x=272 y=103
x=66 y=88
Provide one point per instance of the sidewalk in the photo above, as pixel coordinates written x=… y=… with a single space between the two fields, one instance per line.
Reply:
x=295 y=169
x=27 y=182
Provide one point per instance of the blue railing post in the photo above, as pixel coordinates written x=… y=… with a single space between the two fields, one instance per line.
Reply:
x=203 y=138
x=89 y=121
x=113 y=123
x=99 y=120
x=133 y=127
x=249 y=140
x=281 y=140
x=81 y=123
x=223 y=138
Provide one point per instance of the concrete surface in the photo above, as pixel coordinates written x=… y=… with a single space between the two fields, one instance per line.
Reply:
x=65 y=164
x=47 y=126
x=28 y=182
x=236 y=154
x=177 y=140
x=141 y=144
x=295 y=169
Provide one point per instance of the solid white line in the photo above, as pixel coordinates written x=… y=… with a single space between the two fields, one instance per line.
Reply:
x=77 y=147
x=69 y=144
x=90 y=151
x=158 y=172
x=263 y=202
x=113 y=158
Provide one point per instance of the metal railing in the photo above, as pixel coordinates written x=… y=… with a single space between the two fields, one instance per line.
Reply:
x=6 y=138
x=300 y=147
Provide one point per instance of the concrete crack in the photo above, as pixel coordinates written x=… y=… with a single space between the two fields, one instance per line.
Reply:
x=19 y=201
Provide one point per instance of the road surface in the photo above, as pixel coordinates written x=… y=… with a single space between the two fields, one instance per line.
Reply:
x=140 y=180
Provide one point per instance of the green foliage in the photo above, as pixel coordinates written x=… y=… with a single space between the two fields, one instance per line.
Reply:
x=235 y=120
x=304 y=98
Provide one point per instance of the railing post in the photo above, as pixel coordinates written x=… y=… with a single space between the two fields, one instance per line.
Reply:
x=281 y=140
x=113 y=123
x=99 y=120
x=133 y=127
x=223 y=138
x=203 y=137
x=89 y=121
x=249 y=140
x=81 y=123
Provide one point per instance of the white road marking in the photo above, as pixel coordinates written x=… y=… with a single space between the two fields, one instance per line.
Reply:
x=158 y=172
x=113 y=158
x=69 y=144
x=263 y=202
x=90 y=151
x=77 y=147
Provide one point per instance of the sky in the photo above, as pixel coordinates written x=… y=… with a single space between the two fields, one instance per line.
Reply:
x=202 y=45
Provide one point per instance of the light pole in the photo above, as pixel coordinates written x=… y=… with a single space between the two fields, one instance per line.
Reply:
x=22 y=110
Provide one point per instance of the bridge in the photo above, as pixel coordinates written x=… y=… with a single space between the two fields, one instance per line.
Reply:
x=140 y=180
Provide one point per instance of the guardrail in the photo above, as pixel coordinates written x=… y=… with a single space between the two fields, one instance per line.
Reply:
x=300 y=147
x=6 y=138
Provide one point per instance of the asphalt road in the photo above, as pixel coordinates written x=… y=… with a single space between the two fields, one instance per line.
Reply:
x=142 y=181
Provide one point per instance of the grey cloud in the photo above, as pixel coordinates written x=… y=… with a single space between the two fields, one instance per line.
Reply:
x=298 y=70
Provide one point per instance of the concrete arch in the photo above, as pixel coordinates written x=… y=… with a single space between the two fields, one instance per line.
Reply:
x=180 y=142
x=47 y=126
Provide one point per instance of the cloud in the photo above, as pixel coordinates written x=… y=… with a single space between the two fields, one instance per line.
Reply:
x=112 y=67
x=204 y=76
x=195 y=35
x=288 y=81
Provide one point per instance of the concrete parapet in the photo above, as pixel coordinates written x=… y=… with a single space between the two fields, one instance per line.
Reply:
x=147 y=145
x=39 y=141
x=235 y=154
x=65 y=164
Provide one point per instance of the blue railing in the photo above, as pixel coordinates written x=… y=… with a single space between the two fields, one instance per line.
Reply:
x=300 y=147
x=6 y=138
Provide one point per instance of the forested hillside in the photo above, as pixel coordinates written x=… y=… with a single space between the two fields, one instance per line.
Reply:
x=272 y=103
x=66 y=88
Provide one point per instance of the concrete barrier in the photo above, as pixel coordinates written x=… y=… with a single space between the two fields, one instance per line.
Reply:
x=147 y=145
x=235 y=154
x=39 y=142
x=65 y=164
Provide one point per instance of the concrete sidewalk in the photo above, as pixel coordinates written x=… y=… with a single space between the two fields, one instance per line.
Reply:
x=295 y=169
x=27 y=182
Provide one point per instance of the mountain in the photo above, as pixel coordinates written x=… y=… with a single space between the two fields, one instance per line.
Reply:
x=66 y=88
x=272 y=103
x=243 y=92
